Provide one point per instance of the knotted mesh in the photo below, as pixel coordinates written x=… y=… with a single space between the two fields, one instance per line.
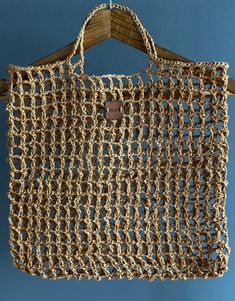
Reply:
x=142 y=196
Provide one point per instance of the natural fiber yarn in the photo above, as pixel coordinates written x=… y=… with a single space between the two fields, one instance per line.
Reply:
x=141 y=196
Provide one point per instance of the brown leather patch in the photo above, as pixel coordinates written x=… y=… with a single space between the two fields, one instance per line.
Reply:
x=113 y=110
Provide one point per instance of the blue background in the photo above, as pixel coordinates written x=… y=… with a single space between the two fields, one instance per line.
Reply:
x=198 y=29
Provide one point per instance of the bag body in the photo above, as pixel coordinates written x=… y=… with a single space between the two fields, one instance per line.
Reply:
x=118 y=176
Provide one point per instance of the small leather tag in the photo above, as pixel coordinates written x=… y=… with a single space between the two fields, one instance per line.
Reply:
x=113 y=110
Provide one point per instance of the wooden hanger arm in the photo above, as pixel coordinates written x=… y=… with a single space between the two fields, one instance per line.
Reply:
x=124 y=30
x=3 y=88
x=104 y=25
x=231 y=86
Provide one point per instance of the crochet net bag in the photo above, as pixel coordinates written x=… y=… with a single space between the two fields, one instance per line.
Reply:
x=118 y=176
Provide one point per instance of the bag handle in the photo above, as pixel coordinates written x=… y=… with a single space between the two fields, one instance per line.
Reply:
x=147 y=39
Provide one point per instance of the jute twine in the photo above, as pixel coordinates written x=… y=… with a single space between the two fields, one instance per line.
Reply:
x=143 y=196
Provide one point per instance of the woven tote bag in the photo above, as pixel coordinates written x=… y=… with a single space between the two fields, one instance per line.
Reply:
x=115 y=176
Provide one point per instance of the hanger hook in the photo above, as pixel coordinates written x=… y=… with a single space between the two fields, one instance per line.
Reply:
x=111 y=4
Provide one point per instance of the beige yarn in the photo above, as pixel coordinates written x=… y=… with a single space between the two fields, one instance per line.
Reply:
x=143 y=196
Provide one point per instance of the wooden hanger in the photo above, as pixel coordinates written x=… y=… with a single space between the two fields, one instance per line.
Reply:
x=106 y=24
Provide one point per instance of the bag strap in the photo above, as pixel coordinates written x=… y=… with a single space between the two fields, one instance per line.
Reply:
x=147 y=39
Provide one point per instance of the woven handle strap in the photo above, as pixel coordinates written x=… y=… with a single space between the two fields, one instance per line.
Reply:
x=147 y=39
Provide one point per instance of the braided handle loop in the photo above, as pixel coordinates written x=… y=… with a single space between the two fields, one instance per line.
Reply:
x=147 y=39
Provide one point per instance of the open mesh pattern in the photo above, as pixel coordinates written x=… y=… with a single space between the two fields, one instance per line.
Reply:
x=143 y=196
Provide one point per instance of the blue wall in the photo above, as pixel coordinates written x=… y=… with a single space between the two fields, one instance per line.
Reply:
x=198 y=29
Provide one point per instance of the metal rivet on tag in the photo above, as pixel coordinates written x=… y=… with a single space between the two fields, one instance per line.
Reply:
x=113 y=110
